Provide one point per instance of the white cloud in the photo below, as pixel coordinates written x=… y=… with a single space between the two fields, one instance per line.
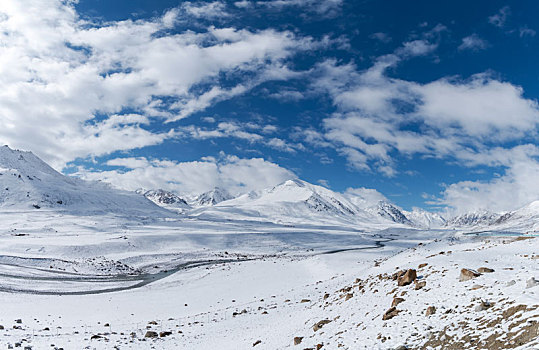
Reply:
x=383 y=37
x=500 y=17
x=208 y=10
x=473 y=42
x=526 y=32
x=232 y=173
x=58 y=72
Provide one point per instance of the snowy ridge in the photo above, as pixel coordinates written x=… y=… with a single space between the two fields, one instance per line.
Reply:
x=165 y=199
x=213 y=197
x=26 y=182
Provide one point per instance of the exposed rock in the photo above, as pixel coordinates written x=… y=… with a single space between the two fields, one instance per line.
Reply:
x=297 y=340
x=396 y=301
x=422 y=265
x=152 y=323
x=532 y=282
x=319 y=346
x=420 y=284
x=468 y=274
x=151 y=334
x=390 y=313
x=305 y=301
x=320 y=324
x=407 y=278
x=348 y=296
x=257 y=342
x=485 y=270
x=165 y=334
x=398 y=274
x=483 y=306
x=431 y=310
x=326 y=296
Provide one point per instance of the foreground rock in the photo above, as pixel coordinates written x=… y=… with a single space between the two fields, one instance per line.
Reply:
x=468 y=274
x=407 y=278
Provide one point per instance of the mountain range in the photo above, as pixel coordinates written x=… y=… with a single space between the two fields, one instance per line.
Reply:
x=26 y=182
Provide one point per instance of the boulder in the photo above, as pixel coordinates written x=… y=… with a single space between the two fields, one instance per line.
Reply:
x=431 y=310
x=165 y=334
x=297 y=340
x=468 y=274
x=420 y=284
x=320 y=324
x=422 y=265
x=396 y=301
x=390 y=313
x=485 y=270
x=151 y=334
x=407 y=278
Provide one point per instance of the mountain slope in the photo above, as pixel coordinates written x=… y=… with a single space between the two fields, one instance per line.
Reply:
x=294 y=202
x=26 y=182
x=165 y=199
x=213 y=197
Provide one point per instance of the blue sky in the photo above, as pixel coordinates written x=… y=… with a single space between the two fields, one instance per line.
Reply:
x=432 y=104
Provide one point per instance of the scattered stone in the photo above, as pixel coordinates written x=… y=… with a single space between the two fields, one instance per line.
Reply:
x=297 y=340
x=305 y=301
x=422 y=266
x=320 y=324
x=398 y=274
x=396 y=301
x=326 y=296
x=483 y=306
x=532 y=282
x=390 y=313
x=151 y=334
x=402 y=347
x=348 y=296
x=485 y=270
x=106 y=325
x=468 y=274
x=419 y=285
x=407 y=278
x=477 y=286
x=95 y=336
x=153 y=323
x=257 y=342
x=431 y=310
x=319 y=346
x=1 y=327
x=18 y=321
x=164 y=334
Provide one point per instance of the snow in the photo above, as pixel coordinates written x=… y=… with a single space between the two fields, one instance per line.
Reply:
x=105 y=263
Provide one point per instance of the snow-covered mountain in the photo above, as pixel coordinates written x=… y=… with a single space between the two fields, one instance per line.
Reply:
x=390 y=212
x=296 y=202
x=26 y=182
x=425 y=219
x=213 y=197
x=478 y=218
x=165 y=199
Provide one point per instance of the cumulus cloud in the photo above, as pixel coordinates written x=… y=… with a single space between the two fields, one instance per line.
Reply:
x=230 y=172
x=473 y=42
x=64 y=78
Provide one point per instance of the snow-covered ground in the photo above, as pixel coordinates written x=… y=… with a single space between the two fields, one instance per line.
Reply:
x=86 y=266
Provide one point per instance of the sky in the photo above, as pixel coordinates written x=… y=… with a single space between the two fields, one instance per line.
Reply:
x=432 y=105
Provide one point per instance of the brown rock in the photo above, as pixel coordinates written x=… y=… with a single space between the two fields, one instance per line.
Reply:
x=398 y=274
x=485 y=270
x=419 y=285
x=407 y=278
x=390 y=313
x=319 y=346
x=348 y=296
x=422 y=266
x=396 y=301
x=468 y=274
x=305 y=301
x=431 y=310
x=164 y=334
x=320 y=324
x=151 y=334
x=326 y=296
x=297 y=340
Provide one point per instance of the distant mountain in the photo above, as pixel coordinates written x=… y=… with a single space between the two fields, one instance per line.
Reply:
x=390 y=212
x=165 y=199
x=425 y=219
x=479 y=218
x=213 y=197
x=297 y=202
x=26 y=182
